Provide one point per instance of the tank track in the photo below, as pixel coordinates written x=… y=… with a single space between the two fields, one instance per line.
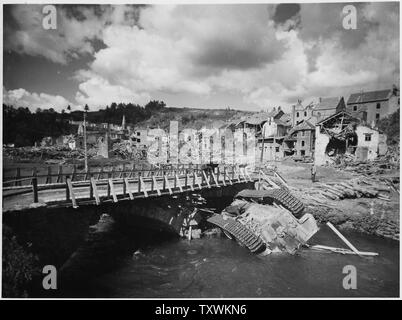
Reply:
x=240 y=232
x=284 y=198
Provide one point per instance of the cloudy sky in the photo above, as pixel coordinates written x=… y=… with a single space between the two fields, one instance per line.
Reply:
x=249 y=57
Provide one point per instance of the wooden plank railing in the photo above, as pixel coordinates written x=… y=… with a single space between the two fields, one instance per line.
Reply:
x=141 y=183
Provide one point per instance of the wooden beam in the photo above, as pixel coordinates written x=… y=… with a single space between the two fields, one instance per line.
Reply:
x=215 y=180
x=158 y=191
x=35 y=190
x=242 y=173
x=100 y=174
x=95 y=191
x=71 y=192
x=227 y=175
x=178 y=183
x=145 y=189
x=168 y=184
x=224 y=176
x=237 y=175
x=198 y=182
x=112 y=191
x=130 y=194
x=18 y=177
x=74 y=173
x=191 y=185
x=60 y=174
x=340 y=235
x=205 y=177
x=247 y=174
x=49 y=175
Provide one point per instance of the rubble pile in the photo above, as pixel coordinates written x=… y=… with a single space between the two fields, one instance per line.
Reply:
x=125 y=150
x=361 y=187
x=43 y=153
x=381 y=165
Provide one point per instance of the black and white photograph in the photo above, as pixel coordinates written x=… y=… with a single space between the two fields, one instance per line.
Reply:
x=179 y=150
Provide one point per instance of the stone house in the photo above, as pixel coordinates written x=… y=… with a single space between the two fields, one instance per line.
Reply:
x=301 y=140
x=372 y=106
x=270 y=142
x=300 y=113
x=328 y=106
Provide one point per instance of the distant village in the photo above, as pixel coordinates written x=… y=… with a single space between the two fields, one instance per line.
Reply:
x=316 y=131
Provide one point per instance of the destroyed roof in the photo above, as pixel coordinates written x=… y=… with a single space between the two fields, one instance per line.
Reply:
x=347 y=116
x=328 y=103
x=371 y=96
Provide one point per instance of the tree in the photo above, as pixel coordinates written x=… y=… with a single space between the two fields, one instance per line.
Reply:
x=69 y=108
x=86 y=108
x=155 y=105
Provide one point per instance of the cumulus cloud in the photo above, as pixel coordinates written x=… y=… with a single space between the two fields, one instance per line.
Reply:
x=178 y=49
x=270 y=55
x=77 y=28
x=32 y=101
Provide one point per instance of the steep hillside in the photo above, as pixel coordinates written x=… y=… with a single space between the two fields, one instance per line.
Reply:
x=191 y=118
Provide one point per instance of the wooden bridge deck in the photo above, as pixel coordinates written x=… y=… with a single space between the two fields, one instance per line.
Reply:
x=123 y=185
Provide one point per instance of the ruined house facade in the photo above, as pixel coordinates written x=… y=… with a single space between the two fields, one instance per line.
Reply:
x=344 y=133
x=301 y=140
x=270 y=145
x=372 y=106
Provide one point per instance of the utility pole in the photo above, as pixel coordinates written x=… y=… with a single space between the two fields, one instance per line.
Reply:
x=85 y=138
x=262 y=145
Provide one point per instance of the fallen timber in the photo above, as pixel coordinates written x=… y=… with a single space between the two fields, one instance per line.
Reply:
x=360 y=187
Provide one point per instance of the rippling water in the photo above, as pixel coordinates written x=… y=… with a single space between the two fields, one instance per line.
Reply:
x=218 y=267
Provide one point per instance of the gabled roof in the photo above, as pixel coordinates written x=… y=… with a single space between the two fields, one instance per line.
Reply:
x=371 y=96
x=304 y=125
x=282 y=122
x=257 y=118
x=328 y=103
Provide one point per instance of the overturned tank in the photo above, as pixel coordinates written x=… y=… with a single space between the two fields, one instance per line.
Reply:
x=266 y=221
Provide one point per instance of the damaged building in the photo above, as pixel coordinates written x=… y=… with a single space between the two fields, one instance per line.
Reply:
x=327 y=107
x=301 y=140
x=344 y=134
x=372 y=106
x=270 y=138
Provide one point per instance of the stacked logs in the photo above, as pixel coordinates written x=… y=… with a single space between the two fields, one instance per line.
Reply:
x=355 y=188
